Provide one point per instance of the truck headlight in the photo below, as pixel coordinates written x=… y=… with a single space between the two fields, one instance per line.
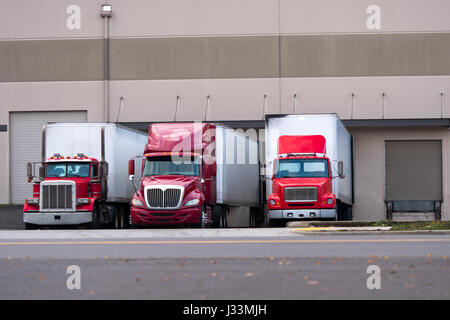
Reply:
x=136 y=203
x=33 y=202
x=330 y=201
x=83 y=201
x=272 y=202
x=192 y=202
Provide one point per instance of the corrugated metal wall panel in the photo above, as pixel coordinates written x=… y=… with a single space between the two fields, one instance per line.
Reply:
x=413 y=170
x=25 y=145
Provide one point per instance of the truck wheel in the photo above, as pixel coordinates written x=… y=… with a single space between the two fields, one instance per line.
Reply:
x=95 y=223
x=347 y=213
x=30 y=226
x=277 y=223
x=252 y=222
x=203 y=218
x=219 y=217
x=117 y=217
x=339 y=212
x=126 y=217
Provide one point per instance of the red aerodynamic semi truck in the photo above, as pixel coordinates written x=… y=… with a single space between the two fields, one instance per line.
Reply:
x=308 y=168
x=83 y=176
x=196 y=174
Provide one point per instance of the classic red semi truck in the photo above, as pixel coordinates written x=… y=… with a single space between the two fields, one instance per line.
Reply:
x=83 y=176
x=308 y=168
x=196 y=174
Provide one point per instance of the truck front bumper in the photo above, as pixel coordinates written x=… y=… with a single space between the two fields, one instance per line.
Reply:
x=303 y=214
x=183 y=216
x=57 y=218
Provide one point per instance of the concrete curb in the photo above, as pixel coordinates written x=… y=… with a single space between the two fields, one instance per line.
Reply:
x=305 y=224
x=362 y=233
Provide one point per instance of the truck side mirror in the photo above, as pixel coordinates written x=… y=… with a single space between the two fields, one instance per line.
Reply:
x=30 y=171
x=341 y=170
x=41 y=172
x=131 y=167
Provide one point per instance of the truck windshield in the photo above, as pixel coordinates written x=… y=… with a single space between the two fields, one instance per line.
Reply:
x=68 y=169
x=301 y=168
x=155 y=166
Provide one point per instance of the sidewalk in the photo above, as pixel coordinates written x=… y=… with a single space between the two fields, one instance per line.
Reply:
x=353 y=228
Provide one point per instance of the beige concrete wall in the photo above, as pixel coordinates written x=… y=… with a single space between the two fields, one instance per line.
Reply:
x=405 y=97
x=44 y=96
x=369 y=166
x=163 y=18
x=349 y=16
x=230 y=99
x=25 y=19
x=41 y=19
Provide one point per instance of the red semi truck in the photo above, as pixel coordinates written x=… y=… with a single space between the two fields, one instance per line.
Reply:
x=196 y=174
x=308 y=169
x=83 y=176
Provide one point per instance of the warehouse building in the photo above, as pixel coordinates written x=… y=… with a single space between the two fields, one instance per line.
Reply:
x=383 y=66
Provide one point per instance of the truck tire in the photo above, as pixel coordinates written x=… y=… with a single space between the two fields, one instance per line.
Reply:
x=339 y=211
x=126 y=217
x=203 y=223
x=116 y=217
x=277 y=223
x=348 y=213
x=30 y=226
x=344 y=212
x=219 y=217
x=95 y=223
x=252 y=220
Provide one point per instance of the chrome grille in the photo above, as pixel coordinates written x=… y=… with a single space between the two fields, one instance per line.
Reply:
x=171 y=197
x=58 y=196
x=164 y=198
x=300 y=194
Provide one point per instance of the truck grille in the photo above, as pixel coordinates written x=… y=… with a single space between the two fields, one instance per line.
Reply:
x=164 y=198
x=58 y=196
x=300 y=194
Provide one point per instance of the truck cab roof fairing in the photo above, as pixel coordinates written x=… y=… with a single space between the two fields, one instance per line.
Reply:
x=288 y=144
x=179 y=137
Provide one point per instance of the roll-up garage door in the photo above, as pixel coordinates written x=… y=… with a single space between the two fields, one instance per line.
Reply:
x=413 y=170
x=25 y=130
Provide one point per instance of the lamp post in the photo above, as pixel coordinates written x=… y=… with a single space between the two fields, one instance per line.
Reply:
x=106 y=13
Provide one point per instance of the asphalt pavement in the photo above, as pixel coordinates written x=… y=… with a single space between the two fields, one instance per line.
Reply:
x=221 y=264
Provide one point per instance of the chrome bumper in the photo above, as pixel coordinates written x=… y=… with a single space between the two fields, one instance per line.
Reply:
x=303 y=214
x=57 y=218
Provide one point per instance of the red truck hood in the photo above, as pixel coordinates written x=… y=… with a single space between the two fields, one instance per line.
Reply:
x=185 y=181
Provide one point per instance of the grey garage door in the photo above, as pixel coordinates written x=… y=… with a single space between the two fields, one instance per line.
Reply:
x=25 y=145
x=413 y=170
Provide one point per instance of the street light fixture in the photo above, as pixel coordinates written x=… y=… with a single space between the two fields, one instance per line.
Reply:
x=106 y=10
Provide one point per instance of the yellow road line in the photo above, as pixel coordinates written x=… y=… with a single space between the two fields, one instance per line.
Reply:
x=225 y=241
x=313 y=228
